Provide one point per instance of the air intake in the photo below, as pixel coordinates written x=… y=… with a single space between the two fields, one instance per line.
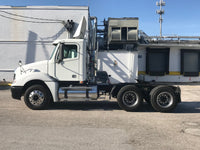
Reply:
x=122 y=30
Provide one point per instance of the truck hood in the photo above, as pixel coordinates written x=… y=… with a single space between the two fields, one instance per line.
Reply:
x=40 y=66
x=26 y=70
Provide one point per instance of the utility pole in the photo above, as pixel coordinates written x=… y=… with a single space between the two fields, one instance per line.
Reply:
x=160 y=12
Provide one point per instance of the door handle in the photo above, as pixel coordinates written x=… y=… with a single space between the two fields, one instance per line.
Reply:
x=73 y=76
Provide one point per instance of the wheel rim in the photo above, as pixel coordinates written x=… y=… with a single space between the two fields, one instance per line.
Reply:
x=164 y=99
x=130 y=98
x=36 y=97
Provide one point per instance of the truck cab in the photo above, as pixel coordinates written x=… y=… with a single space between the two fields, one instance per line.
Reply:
x=66 y=66
x=68 y=60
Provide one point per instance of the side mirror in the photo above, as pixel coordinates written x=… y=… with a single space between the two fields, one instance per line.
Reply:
x=20 y=63
x=60 y=54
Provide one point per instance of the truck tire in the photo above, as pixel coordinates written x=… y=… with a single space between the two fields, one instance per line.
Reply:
x=36 y=97
x=163 y=99
x=129 y=98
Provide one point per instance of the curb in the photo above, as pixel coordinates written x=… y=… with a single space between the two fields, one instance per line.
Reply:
x=5 y=85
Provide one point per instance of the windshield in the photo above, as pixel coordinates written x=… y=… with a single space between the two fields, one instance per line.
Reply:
x=54 y=51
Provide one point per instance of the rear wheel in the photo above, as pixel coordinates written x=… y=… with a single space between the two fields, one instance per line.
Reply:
x=36 y=97
x=163 y=99
x=129 y=98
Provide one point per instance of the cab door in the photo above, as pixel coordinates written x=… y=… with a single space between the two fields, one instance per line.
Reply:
x=67 y=69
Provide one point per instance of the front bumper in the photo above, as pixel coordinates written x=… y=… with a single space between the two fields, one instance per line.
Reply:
x=16 y=92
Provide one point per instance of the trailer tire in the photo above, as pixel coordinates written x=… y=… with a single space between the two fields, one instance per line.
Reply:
x=129 y=98
x=37 y=97
x=163 y=99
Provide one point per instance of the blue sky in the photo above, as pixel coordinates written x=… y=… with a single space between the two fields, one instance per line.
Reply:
x=182 y=17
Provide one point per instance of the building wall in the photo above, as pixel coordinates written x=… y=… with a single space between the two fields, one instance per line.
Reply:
x=174 y=64
x=22 y=37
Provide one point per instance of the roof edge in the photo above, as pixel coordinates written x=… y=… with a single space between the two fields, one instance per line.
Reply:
x=46 y=7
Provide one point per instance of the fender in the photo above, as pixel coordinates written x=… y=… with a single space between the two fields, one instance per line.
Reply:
x=49 y=81
x=23 y=79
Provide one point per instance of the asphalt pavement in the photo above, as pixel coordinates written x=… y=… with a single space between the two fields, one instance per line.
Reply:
x=99 y=125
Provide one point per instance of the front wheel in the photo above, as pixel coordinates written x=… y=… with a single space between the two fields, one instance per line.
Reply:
x=36 y=97
x=129 y=98
x=163 y=99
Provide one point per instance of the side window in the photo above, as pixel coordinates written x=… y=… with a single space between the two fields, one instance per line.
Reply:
x=157 y=61
x=190 y=62
x=69 y=51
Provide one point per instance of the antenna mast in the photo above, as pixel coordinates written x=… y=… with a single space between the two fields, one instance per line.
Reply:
x=160 y=12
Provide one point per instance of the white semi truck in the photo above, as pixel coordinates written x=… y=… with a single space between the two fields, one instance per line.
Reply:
x=77 y=69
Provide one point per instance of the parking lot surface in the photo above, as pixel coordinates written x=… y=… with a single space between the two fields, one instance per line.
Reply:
x=100 y=125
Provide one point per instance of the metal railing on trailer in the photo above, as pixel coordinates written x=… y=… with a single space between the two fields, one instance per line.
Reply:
x=171 y=38
x=190 y=39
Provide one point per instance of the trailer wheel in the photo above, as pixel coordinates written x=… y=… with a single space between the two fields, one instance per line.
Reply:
x=129 y=98
x=36 y=97
x=163 y=99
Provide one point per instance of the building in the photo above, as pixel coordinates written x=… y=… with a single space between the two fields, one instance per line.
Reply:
x=27 y=33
